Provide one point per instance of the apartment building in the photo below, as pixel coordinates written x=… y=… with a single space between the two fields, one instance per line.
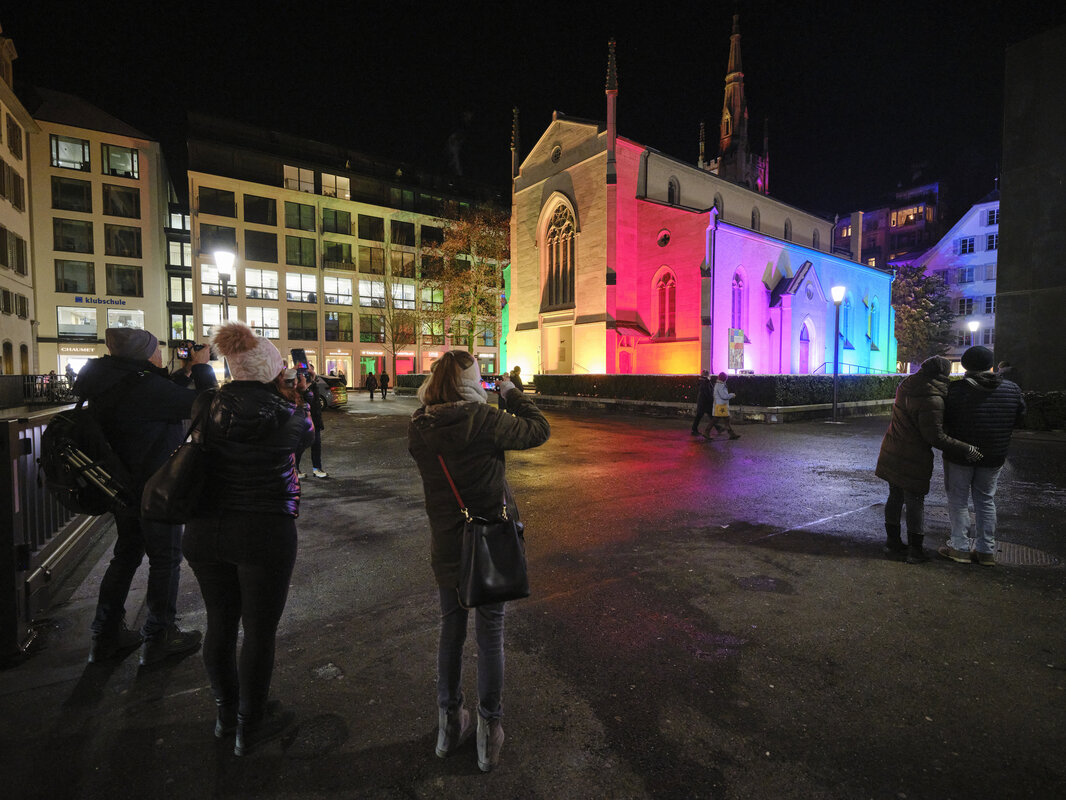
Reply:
x=17 y=307
x=329 y=246
x=99 y=200
x=901 y=228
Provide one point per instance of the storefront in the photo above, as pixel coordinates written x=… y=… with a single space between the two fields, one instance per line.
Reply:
x=337 y=363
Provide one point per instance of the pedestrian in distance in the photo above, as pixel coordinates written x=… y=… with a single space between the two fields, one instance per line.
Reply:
x=720 y=420
x=455 y=422
x=316 y=397
x=906 y=456
x=704 y=400
x=383 y=382
x=371 y=384
x=241 y=544
x=982 y=408
x=142 y=411
x=516 y=378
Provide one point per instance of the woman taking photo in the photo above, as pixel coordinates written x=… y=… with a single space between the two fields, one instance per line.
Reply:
x=456 y=422
x=242 y=544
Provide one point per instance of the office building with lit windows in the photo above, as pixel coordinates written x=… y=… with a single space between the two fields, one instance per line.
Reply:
x=329 y=244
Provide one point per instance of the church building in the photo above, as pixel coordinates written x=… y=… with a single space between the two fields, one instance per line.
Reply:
x=627 y=260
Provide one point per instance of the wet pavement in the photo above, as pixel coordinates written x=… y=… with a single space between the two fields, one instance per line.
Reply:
x=709 y=619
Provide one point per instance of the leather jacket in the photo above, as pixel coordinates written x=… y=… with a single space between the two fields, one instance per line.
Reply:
x=252 y=433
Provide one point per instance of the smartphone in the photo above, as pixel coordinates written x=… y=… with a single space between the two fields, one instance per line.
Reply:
x=299 y=358
x=488 y=385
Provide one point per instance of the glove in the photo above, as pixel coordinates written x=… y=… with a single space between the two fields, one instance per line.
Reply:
x=503 y=387
x=974 y=454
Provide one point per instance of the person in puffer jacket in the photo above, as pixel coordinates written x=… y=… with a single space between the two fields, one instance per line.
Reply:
x=984 y=408
x=906 y=457
x=455 y=421
x=242 y=543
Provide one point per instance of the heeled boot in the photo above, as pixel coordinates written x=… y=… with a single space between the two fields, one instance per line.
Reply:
x=915 y=553
x=894 y=545
x=489 y=743
x=453 y=728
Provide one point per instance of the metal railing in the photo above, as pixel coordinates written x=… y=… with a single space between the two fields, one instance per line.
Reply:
x=34 y=390
x=850 y=369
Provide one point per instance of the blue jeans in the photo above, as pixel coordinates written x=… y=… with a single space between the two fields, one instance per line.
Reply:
x=243 y=563
x=962 y=482
x=162 y=544
x=488 y=628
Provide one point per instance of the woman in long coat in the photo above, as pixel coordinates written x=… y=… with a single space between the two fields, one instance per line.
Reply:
x=906 y=457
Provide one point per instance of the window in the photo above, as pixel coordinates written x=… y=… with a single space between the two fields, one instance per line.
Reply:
x=403 y=264
x=122 y=201
x=756 y=219
x=992 y=241
x=673 y=192
x=964 y=307
x=14 y=137
x=736 y=319
x=372 y=294
x=432 y=267
x=261 y=284
x=372 y=328
x=487 y=337
x=337 y=291
x=990 y=304
x=964 y=275
x=816 y=239
x=76 y=322
x=260 y=210
x=303 y=325
x=403 y=296
x=299 y=216
x=337 y=254
x=432 y=236
x=70 y=153
x=179 y=222
x=72 y=236
x=211 y=282
x=871 y=261
x=302 y=180
x=12 y=186
x=7 y=302
x=666 y=289
x=179 y=254
x=124 y=280
x=301 y=288
x=990 y=272
x=788 y=230
x=964 y=245
x=219 y=202
x=402 y=233
x=372 y=260
x=70 y=194
x=217 y=237
x=260 y=246
x=559 y=255
x=13 y=251
x=75 y=276
x=432 y=299
x=121 y=162
x=182 y=326
x=372 y=228
x=874 y=323
x=180 y=289
x=125 y=318
x=335 y=221
x=266 y=322
x=337 y=326
x=433 y=331
x=336 y=186
x=22 y=306
x=122 y=240
x=299 y=251
x=988 y=336
x=845 y=232
x=211 y=315
x=992 y=217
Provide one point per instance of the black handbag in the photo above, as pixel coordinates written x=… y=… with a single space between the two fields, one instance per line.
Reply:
x=172 y=495
x=492 y=565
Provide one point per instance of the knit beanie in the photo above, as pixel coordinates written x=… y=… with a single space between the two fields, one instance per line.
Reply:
x=470 y=384
x=250 y=357
x=977 y=359
x=130 y=343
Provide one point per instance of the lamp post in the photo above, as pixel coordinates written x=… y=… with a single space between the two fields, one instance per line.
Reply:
x=838 y=298
x=973 y=325
x=224 y=264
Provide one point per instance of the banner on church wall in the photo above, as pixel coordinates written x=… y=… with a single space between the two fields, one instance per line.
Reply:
x=736 y=348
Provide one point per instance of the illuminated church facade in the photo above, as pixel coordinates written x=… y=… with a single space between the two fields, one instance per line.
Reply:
x=626 y=260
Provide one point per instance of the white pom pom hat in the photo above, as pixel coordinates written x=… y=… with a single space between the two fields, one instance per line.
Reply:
x=250 y=357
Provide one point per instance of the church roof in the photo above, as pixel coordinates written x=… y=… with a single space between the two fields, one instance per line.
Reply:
x=787 y=285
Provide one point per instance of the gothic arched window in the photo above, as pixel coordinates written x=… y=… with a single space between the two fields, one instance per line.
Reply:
x=816 y=240
x=736 y=318
x=559 y=247
x=673 y=192
x=845 y=319
x=755 y=218
x=875 y=321
x=720 y=205
x=666 y=291
x=788 y=230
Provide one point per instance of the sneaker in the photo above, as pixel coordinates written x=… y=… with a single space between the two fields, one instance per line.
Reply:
x=954 y=555
x=274 y=722
x=985 y=559
x=169 y=642
x=320 y=473
x=108 y=645
x=301 y=475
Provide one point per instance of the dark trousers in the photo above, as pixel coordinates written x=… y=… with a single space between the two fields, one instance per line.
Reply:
x=384 y=391
x=136 y=538
x=722 y=424
x=899 y=497
x=243 y=562
x=316 y=450
x=701 y=409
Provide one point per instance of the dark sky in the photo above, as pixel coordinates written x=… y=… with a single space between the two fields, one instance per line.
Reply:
x=855 y=93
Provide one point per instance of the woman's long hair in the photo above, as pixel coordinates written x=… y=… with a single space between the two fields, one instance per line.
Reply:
x=442 y=385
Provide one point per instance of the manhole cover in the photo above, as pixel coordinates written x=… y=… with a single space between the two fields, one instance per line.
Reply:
x=1021 y=556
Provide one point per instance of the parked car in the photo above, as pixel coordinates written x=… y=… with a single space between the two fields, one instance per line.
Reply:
x=338 y=391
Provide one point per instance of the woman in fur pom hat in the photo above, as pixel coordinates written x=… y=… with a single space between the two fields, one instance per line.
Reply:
x=242 y=546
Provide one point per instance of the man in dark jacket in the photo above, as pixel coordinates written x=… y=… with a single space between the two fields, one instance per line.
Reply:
x=704 y=400
x=982 y=409
x=142 y=411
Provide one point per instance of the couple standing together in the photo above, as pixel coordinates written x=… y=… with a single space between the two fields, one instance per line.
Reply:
x=971 y=421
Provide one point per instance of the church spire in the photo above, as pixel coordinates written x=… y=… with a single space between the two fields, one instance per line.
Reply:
x=514 y=143
x=734 y=126
x=612 y=110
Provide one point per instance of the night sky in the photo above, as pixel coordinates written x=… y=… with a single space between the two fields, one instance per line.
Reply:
x=856 y=94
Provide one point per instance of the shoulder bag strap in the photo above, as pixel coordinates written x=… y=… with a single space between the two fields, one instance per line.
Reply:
x=462 y=505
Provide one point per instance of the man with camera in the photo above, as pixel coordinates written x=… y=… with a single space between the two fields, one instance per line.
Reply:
x=143 y=411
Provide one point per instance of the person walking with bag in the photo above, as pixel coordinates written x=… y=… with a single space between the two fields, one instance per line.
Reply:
x=704 y=400
x=455 y=423
x=315 y=397
x=906 y=457
x=241 y=544
x=371 y=384
x=720 y=413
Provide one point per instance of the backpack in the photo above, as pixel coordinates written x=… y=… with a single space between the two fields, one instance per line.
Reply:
x=81 y=470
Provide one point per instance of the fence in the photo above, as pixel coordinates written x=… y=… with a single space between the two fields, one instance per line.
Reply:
x=41 y=542
x=34 y=390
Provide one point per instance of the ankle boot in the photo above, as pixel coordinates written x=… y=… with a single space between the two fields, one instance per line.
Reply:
x=915 y=553
x=226 y=721
x=489 y=743
x=894 y=543
x=252 y=731
x=453 y=728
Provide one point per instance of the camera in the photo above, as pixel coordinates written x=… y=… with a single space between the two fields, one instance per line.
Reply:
x=184 y=352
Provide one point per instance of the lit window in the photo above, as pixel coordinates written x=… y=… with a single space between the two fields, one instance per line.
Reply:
x=403 y=296
x=300 y=287
x=302 y=180
x=120 y=162
x=70 y=153
x=264 y=321
x=337 y=291
x=125 y=318
x=560 y=266
x=261 y=284
x=372 y=294
x=76 y=322
x=336 y=186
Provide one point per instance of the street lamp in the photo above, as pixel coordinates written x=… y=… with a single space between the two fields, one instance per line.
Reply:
x=838 y=298
x=973 y=325
x=224 y=264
